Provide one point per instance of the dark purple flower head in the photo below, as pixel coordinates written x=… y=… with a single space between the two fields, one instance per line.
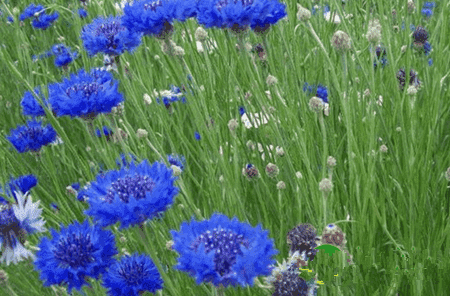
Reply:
x=303 y=238
x=420 y=35
x=413 y=79
x=109 y=36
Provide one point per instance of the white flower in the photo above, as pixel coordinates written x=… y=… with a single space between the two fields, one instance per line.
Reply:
x=327 y=16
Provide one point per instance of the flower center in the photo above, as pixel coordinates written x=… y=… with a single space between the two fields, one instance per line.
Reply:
x=133 y=274
x=226 y=245
x=152 y=6
x=136 y=186
x=222 y=3
x=86 y=88
x=75 y=251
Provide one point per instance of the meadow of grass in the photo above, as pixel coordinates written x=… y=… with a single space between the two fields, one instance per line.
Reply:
x=393 y=206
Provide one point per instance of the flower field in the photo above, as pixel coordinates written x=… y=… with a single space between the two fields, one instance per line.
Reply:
x=224 y=147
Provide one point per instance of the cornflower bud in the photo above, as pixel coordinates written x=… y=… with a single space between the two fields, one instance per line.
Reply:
x=141 y=133
x=281 y=185
x=325 y=185
x=331 y=162
x=280 y=151
x=341 y=41
x=272 y=170
x=447 y=174
x=271 y=80
x=411 y=6
x=232 y=124
x=316 y=104
x=201 y=34
x=303 y=14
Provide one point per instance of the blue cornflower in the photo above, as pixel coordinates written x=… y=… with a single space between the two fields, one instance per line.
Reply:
x=77 y=252
x=109 y=36
x=32 y=136
x=380 y=56
x=170 y=96
x=30 y=11
x=223 y=251
x=177 y=160
x=22 y=184
x=10 y=19
x=131 y=195
x=240 y=14
x=75 y=186
x=106 y=131
x=82 y=13
x=430 y=62
x=85 y=94
x=156 y=17
x=132 y=275
x=322 y=92
x=429 y=5
x=43 y=21
x=241 y=110
x=427 y=48
x=16 y=222
x=197 y=136
x=63 y=55
x=30 y=104
x=266 y=13
x=427 y=12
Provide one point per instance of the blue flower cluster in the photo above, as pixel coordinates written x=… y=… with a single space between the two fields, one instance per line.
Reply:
x=85 y=94
x=240 y=14
x=32 y=136
x=82 y=13
x=63 y=55
x=156 y=17
x=21 y=184
x=427 y=9
x=319 y=91
x=41 y=20
x=109 y=36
